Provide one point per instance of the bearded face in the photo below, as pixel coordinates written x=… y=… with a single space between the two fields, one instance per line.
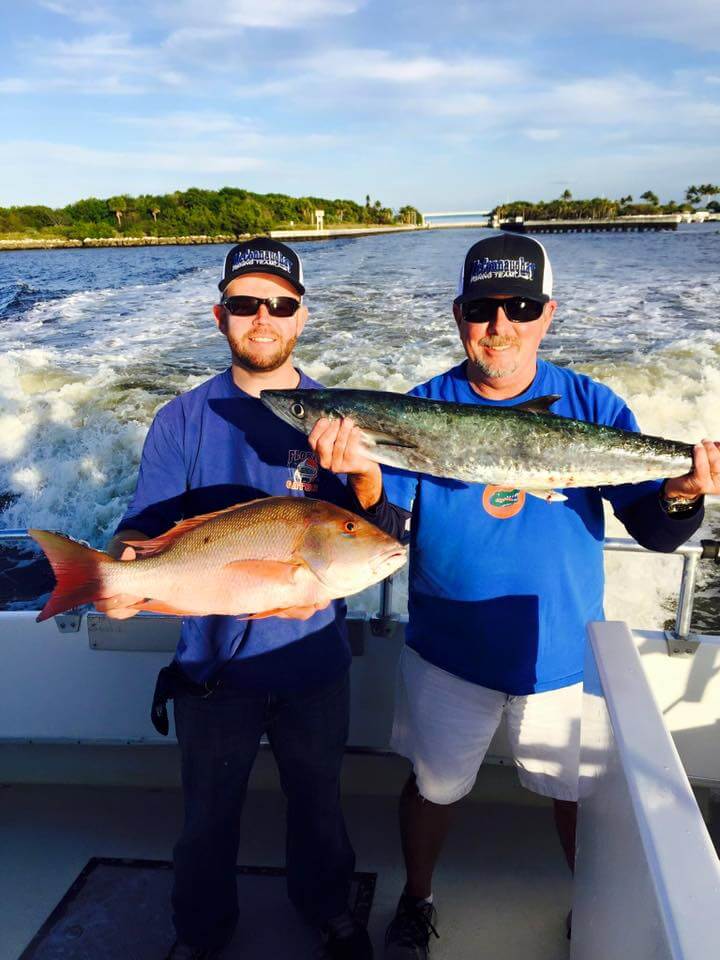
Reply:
x=263 y=347
x=261 y=342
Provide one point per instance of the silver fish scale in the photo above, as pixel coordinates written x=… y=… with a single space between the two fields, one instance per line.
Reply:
x=479 y=444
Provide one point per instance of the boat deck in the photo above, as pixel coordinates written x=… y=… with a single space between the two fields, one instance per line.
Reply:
x=502 y=887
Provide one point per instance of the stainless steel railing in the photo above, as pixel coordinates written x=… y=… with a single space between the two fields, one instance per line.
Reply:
x=691 y=552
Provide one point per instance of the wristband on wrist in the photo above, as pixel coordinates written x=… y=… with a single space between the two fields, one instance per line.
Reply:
x=677 y=504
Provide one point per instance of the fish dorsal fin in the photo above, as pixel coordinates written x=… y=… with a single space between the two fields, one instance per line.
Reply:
x=149 y=548
x=538 y=404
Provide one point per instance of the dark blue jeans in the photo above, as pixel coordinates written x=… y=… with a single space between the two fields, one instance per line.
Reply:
x=219 y=737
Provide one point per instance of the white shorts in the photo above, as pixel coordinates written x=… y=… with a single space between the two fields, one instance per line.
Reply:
x=444 y=726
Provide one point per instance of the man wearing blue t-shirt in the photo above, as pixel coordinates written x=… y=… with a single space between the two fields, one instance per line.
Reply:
x=233 y=680
x=502 y=584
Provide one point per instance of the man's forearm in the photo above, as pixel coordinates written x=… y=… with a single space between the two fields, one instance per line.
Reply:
x=367 y=487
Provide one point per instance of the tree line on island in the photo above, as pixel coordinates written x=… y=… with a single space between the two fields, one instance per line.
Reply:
x=229 y=211
x=601 y=208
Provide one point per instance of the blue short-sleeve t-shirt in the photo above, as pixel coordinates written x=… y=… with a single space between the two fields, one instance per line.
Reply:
x=502 y=584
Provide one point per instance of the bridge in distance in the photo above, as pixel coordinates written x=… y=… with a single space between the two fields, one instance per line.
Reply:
x=456 y=218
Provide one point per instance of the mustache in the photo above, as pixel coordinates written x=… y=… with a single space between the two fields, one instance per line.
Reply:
x=497 y=342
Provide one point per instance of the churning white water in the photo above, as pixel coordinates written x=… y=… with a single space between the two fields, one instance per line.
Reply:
x=93 y=342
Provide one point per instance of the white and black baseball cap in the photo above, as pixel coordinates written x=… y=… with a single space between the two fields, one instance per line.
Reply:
x=263 y=255
x=506 y=265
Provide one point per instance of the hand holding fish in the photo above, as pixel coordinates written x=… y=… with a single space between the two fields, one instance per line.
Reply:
x=339 y=446
x=122 y=606
x=704 y=478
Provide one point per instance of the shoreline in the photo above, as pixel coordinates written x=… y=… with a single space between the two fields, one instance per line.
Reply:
x=89 y=243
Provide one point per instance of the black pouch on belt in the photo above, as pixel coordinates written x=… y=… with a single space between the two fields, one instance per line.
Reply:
x=170 y=681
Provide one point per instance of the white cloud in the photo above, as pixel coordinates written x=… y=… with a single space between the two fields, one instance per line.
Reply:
x=171 y=160
x=15 y=85
x=80 y=11
x=97 y=63
x=542 y=134
x=382 y=65
x=694 y=23
x=241 y=14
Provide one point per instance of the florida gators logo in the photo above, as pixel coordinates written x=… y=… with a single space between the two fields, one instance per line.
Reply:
x=502 y=502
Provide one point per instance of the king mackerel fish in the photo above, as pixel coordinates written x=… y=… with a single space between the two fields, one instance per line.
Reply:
x=525 y=447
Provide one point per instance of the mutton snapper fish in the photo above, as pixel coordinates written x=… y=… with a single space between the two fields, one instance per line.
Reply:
x=254 y=559
x=524 y=447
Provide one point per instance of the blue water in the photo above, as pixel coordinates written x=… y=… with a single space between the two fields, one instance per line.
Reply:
x=92 y=342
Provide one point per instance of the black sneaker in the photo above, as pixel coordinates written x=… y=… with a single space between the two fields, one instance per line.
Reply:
x=346 y=940
x=408 y=935
x=181 y=951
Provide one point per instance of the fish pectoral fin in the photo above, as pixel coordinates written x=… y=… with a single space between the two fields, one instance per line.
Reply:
x=281 y=573
x=549 y=496
x=538 y=404
x=374 y=438
x=264 y=614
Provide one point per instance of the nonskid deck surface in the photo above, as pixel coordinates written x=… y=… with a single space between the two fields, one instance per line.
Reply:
x=502 y=887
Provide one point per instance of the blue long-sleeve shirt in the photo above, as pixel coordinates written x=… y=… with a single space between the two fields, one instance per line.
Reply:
x=213 y=447
x=502 y=584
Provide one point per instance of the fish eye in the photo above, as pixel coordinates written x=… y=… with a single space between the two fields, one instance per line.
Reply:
x=297 y=410
x=350 y=527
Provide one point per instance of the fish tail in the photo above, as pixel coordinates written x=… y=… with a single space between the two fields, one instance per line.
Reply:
x=77 y=569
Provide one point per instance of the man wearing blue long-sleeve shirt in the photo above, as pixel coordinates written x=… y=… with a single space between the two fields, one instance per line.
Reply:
x=233 y=680
x=502 y=584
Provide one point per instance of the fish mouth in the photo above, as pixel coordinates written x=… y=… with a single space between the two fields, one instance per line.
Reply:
x=394 y=557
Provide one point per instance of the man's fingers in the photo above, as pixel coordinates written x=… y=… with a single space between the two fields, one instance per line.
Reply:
x=128 y=554
x=317 y=431
x=712 y=455
x=339 y=451
x=324 y=441
x=119 y=607
x=121 y=613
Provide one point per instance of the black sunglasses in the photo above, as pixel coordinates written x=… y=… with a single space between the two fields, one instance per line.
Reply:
x=249 y=306
x=517 y=309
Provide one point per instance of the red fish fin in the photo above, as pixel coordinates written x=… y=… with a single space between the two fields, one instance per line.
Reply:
x=77 y=569
x=149 y=548
x=157 y=606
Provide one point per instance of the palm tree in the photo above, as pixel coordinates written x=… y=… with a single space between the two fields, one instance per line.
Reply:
x=118 y=205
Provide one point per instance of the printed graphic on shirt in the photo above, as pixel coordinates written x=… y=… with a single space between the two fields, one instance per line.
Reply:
x=502 y=502
x=304 y=468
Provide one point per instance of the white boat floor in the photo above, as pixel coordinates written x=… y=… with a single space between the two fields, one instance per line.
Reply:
x=502 y=888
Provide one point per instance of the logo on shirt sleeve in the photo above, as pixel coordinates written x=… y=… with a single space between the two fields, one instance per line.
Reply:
x=503 y=502
x=304 y=469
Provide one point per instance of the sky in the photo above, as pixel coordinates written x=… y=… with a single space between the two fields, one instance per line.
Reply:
x=452 y=106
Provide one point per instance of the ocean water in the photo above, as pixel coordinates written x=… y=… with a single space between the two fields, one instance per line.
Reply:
x=93 y=342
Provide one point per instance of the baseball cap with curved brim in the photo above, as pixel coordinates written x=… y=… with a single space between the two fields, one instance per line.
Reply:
x=263 y=255
x=505 y=265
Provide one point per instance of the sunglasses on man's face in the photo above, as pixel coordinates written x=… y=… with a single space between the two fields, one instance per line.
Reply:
x=249 y=306
x=517 y=309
